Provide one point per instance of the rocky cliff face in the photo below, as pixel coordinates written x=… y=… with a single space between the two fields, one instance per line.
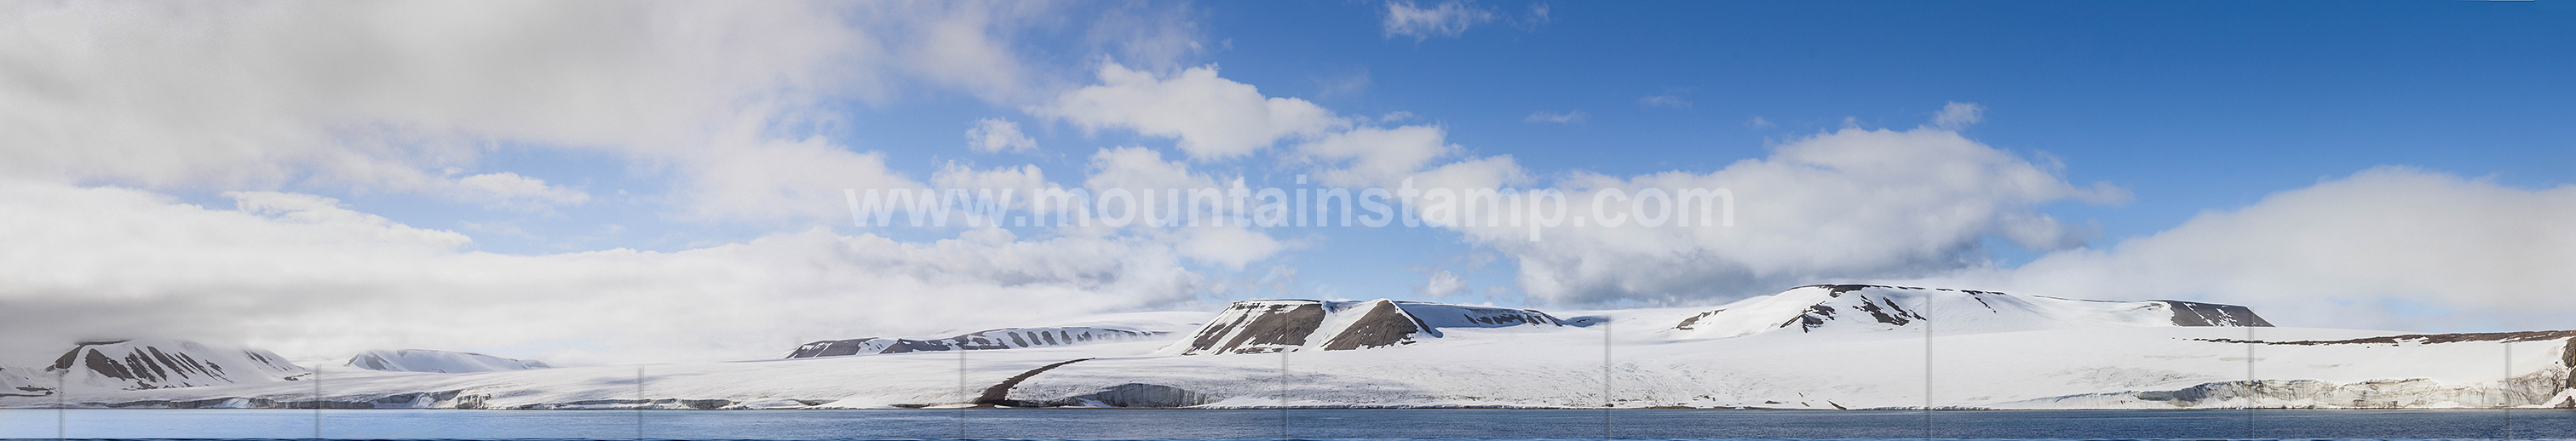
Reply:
x=1269 y=326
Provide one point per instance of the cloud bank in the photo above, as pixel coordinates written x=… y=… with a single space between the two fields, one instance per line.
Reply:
x=2353 y=252
x=306 y=277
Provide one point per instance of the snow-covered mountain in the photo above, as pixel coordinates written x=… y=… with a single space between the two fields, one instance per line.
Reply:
x=1267 y=326
x=1005 y=338
x=1827 y=347
x=1844 y=308
x=1114 y=328
x=425 y=360
x=164 y=363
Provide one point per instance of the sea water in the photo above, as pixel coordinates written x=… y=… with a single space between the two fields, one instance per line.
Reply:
x=1295 y=423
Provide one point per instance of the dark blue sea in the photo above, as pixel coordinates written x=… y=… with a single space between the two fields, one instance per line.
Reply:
x=1276 y=424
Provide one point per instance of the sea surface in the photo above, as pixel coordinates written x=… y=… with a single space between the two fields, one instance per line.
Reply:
x=1267 y=424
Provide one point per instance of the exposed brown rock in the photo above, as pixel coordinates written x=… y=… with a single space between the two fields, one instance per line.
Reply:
x=1384 y=325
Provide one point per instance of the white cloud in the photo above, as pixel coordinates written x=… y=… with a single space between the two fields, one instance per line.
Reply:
x=1846 y=205
x=1958 y=115
x=1667 y=100
x=1442 y=283
x=1376 y=156
x=253 y=94
x=508 y=188
x=1757 y=122
x=1214 y=118
x=760 y=179
x=382 y=96
x=1448 y=19
x=1568 y=117
x=2461 y=253
x=393 y=96
x=325 y=221
x=1228 y=246
x=1138 y=169
x=993 y=135
x=1022 y=178
x=1144 y=173
x=303 y=276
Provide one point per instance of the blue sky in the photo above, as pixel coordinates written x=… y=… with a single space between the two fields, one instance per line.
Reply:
x=2192 y=106
x=2196 y=131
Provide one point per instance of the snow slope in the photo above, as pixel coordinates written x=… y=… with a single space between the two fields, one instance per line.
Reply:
x=164 y=363
x=17 y=382
x=425 y=360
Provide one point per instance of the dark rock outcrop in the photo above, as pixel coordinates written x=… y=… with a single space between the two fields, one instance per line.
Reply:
x=1270 y=326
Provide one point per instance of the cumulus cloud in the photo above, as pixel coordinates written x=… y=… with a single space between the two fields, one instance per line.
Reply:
x=765 y=179
x=506 y=188
x=1957 y=115
x=1447 y=19
x=2465 y=254
x=994 y=135
x=1371 y=156
x=113 y=101
x=385 y=96
x=1674 y=101
x=1568 y=117
x=309 y=278
x=250 y=94
x=1022 y=178
x=1153 y=182
x=1213 y=118
x=1442 y=283
x=1844 y=205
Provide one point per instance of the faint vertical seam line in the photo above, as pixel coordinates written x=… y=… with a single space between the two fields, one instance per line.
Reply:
x=1606 y=402
x=1283 y=393
x=1927 y=364
x=317 y=401
x=640 y=402
x=962 y=393
x=2251 y=386
x=62 y=403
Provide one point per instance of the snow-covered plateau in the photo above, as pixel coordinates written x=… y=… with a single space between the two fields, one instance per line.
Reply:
x=447 y=362
x=1814 y=347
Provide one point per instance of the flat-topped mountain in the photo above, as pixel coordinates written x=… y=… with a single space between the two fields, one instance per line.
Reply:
x=1268 y=326
x=425 y=360
x=1005 y=338
x=1111 y=328
x=1834 y=308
